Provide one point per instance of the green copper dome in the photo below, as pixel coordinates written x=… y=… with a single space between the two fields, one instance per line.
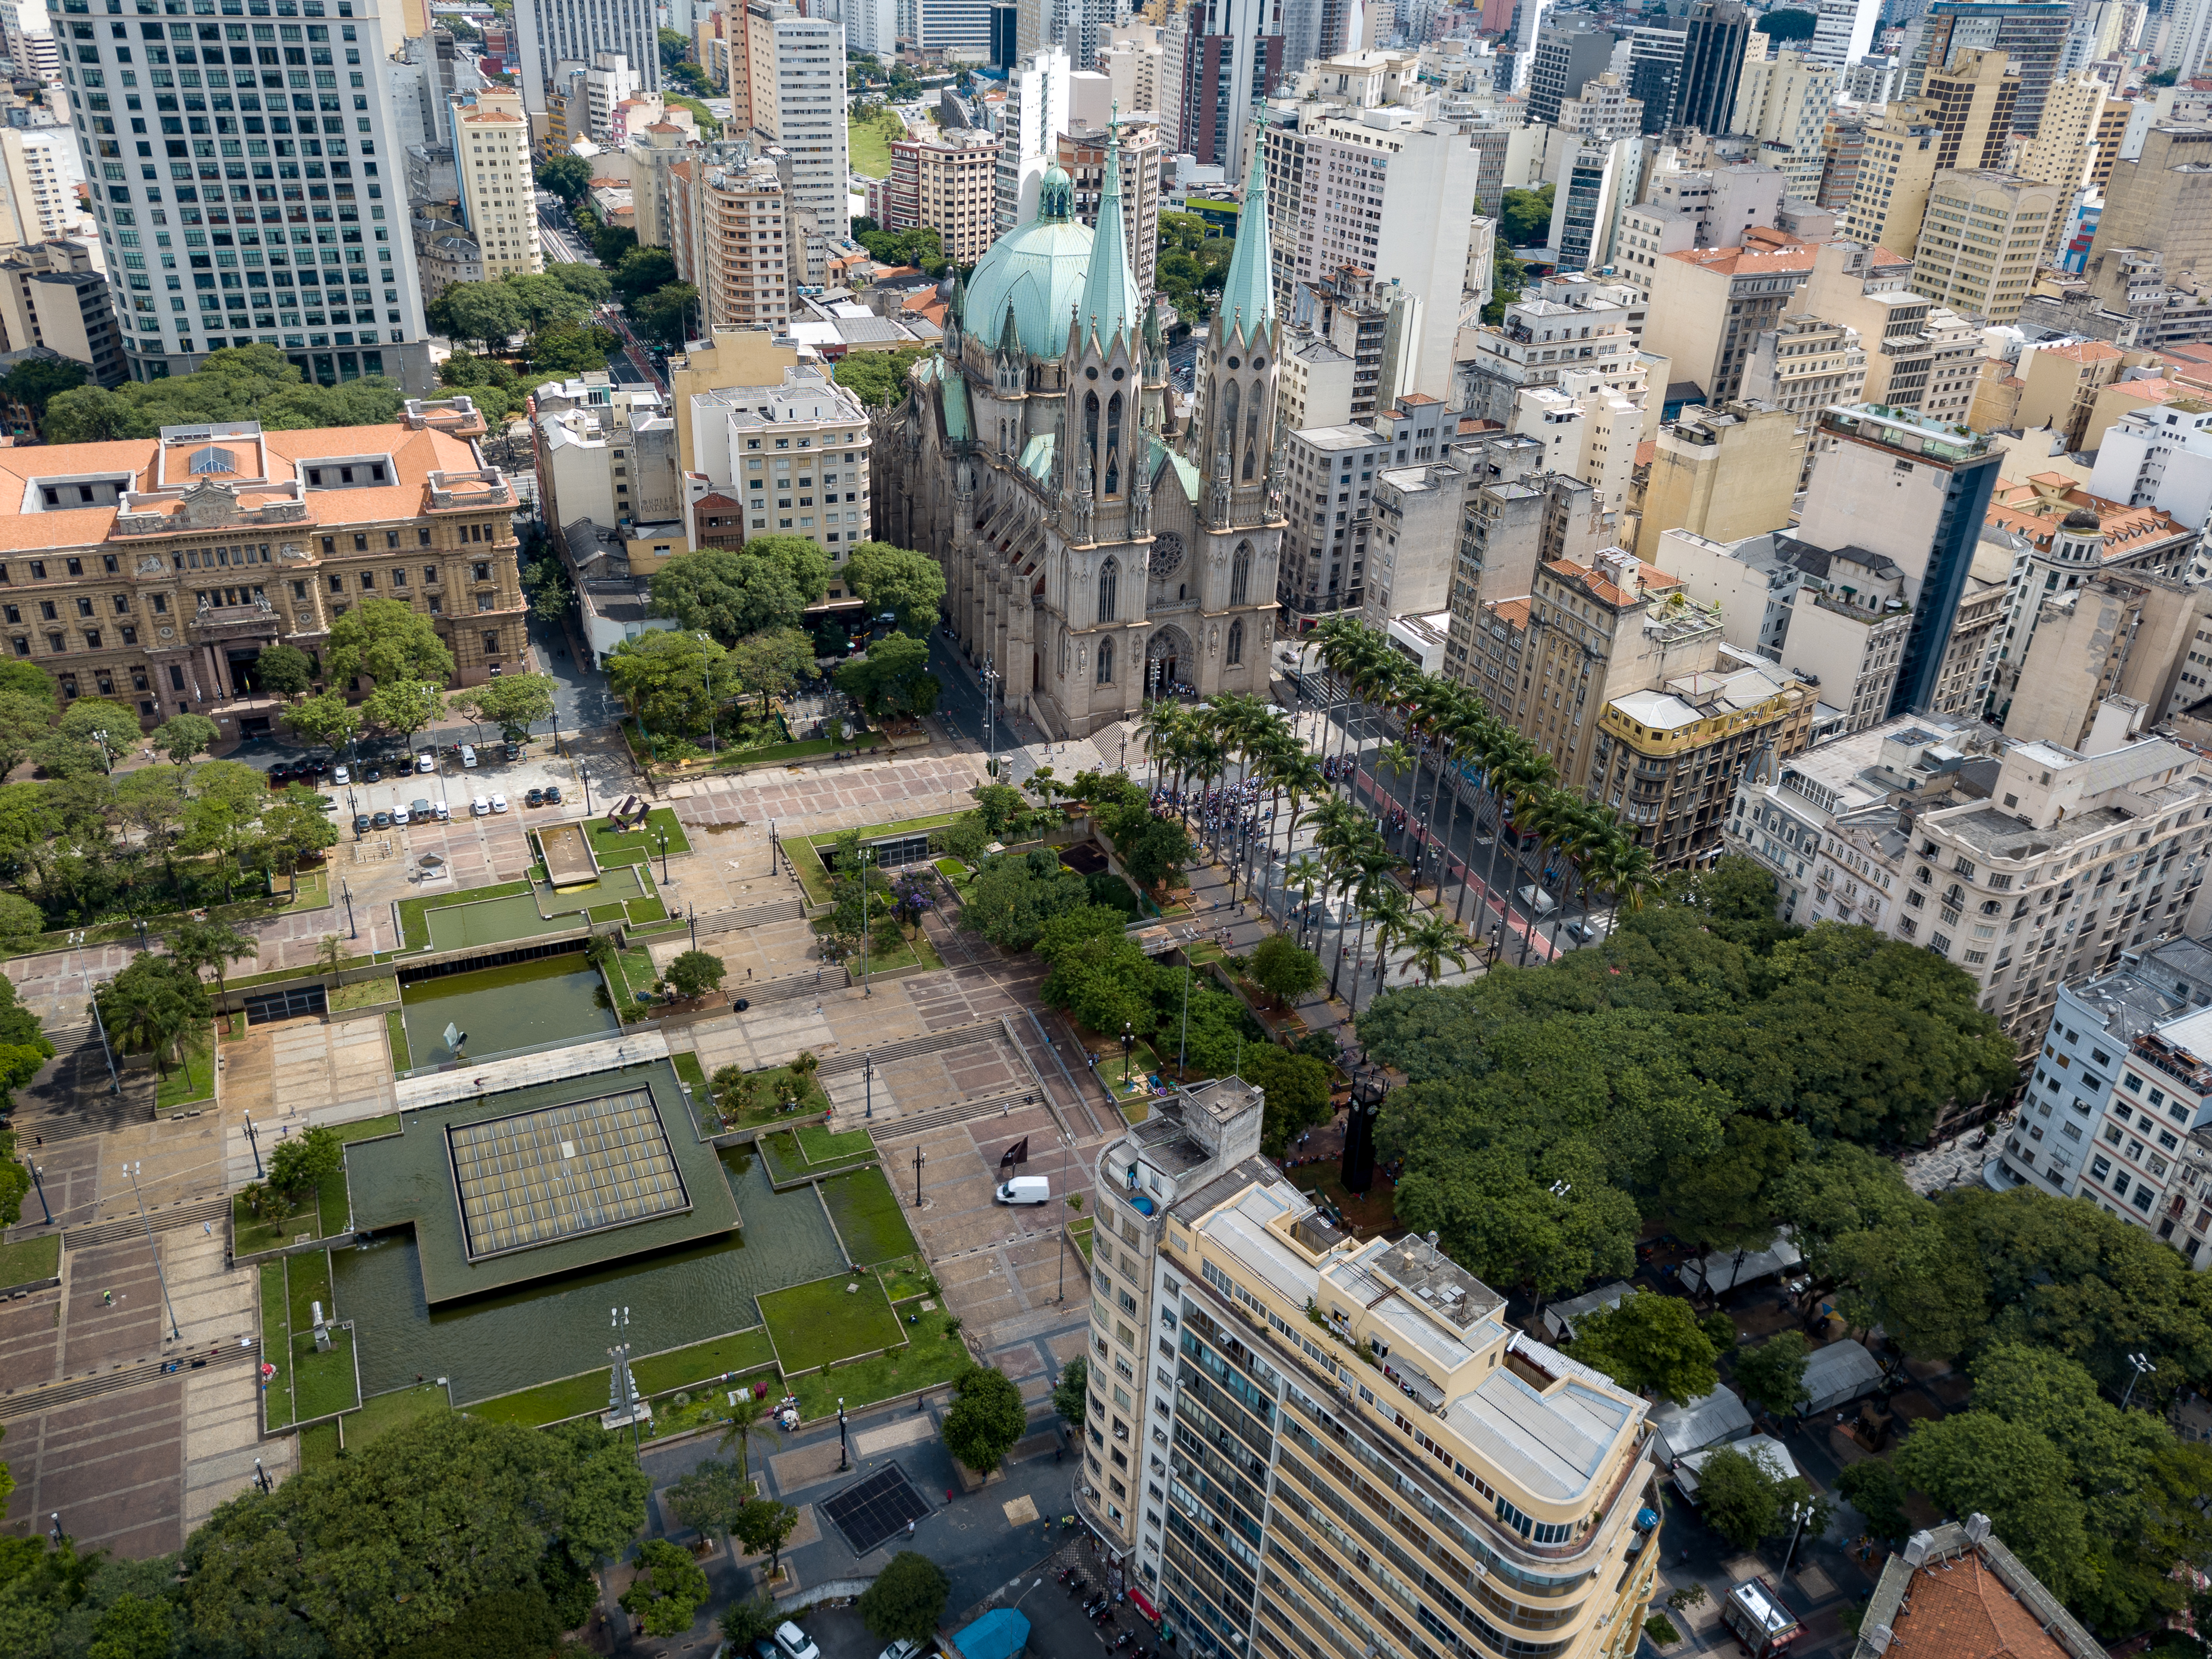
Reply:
x=1038 y=268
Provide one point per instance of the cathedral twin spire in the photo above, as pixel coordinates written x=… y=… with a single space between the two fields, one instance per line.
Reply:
x=1109 y=310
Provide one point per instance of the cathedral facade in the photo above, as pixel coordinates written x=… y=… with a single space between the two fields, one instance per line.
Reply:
x=1095 y=556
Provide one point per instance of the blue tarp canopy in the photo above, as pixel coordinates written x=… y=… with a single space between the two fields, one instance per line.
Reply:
x=998 y=1634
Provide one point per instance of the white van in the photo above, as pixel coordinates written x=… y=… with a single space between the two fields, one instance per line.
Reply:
x=1539 y=901
x=1025 y=1190
x=468 y=758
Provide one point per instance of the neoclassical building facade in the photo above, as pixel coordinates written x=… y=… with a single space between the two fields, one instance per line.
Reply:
x=1094 y=554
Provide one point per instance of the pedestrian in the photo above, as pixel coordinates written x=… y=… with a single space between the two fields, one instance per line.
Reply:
x=107 y=1298
x=909 y=1529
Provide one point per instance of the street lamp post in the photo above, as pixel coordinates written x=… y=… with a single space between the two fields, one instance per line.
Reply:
x=114 y=1083
x=990 y=718
x=1128 y=1047
x=706 y=676
x=844 y=1450
x=691 y=915
x=2142 y=1368
x=253 y=1141
x=663 y=836
x=868 y=1081
x=176 y=1332
x=38 y=1182
x=585 y=777
x=346 y=892
x=919 y=1159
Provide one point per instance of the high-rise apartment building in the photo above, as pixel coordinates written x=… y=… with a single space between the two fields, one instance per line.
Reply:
x=51 y=296
x=1697 y=207
x=1570 y=53
x=1566 y=322
x=793 y=457
x=1083 y=155
x=1226 y=58
x=40 y=205
x=803 y=109
x=2064 y=147
x=1982 y=241
x=1134 y=64
x=1037 y=112
x=1843 y=33
x=2031 y=34
x=1962 y=120
x=300 y=241
x=1713 y=60
x=1785 y=99
x=1370 y=327
x=1919 y=354
x=731 y=236
x=552 y=36
x=1722 y=472
x=491 y=156
x=949 y=185
x=1219 y=1411
x=1913 y=490
x=1378 y=180
x=1805 y=364
x=1708 y=306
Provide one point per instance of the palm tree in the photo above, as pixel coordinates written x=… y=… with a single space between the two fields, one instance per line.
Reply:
x=1365 y=873
x=1550 y=815
x=1624 y=868
x=1518 y=774
x=1160 y=724
x=746 y=1416
x=1304 y=874
x=1583 y=829
x=1386 y=905
x=204 y=944
x=1431 y=945
x=1295 y=774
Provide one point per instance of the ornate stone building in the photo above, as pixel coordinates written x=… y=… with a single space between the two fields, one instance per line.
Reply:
x=1093 y=552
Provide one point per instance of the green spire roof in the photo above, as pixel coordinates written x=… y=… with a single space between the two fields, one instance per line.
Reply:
x=1247 y=296
x=1108 y=305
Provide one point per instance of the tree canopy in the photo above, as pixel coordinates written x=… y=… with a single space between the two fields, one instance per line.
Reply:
x=878 y=379
x=892 y=679
x=238 y=383
x=385 y=639
x=897 y=581
x=732 y=591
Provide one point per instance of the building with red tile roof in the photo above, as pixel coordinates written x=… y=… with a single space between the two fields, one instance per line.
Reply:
x=1957 y=1593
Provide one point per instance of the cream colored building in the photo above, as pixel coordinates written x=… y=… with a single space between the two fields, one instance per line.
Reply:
x=2064 y=148
x=1982 y=240
x=954 y=179
x=1708 y=306
x=1786 y=100
x=1919 y=356
x=1724 y=473
x=727 y=356
x=789 y=458
x=1805 y=363
x=1317 y=386
x=1247 y=1360
x=51 y=296
x=731 y=236
x=1962 y=119
x=491 y=154
x=39 y=202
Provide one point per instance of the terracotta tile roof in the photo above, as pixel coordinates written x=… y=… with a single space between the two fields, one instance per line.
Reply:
x=2083 y=352
x=414 y=456
x=1512 y=612
x=2189 y=354
x=1647 y=452
x=1748 y=261
x=1594 y=582
x=2155 y=390
x=1961 y=1611
x=2033 y=510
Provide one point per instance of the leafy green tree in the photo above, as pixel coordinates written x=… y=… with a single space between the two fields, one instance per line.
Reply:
x=183 y=736
x=91 y=733
x=909 y=587
x=589 y=281
x=569 y=177
x=1070 y=1393
x=1782 y=26
x=749 y=1621
x=732 y=593
x=513 y=702
x=327 y=721
x=665 y=316
x=299 y=1164
x=643 y=271
x=762 y=1525
x=907 y=1600
x=404 y=707
x=35 y=380
x=156 y=1004
x=695 y=972
x=201 y=945
x=892 y=680
x=1745 y=1502
x=1297 y=1090
x=1651 y=1343
x=24 y=723
x=1978 y=1462
x=1153 y=850
x=1010 y=901
x=771 y=662
x=245 y=383
x=1284 y=970
x=1773 y=1375
x=222 y=816
x=673 y=679
x=1524 y=219
x=709 y=1500
x=664 y=1597
x=546 y=300
x=1004 y=812
x=489 y=313
x=1873 y=1488
x=987 y=1417
x=383 y=640
x=878 y=379
x=732 y=1089
x=1727 y=1203
x=560 y=350
x=285 y=669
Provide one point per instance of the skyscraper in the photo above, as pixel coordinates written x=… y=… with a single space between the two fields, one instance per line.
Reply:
x=1230 y=56
x=1712 y=62
x=1844 y=33
x=551 y=33
x=299 y=242
x=2031 y=32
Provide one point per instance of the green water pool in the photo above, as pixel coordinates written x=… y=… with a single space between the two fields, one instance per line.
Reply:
x=502 y=1009
x=504 y=920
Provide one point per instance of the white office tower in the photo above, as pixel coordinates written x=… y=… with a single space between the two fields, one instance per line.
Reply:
x=1844 y=31
x=41 y=200
x=871 y=26
x=1532 y=14
x=1036 y=113
x=807 y=119
x=552 y=36
x=287 y=225
x=2188 y=36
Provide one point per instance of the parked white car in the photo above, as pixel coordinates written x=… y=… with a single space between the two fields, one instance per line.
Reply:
x=498 y=801
x=342 y=777
x=480 y=807
x=426 y=761
x=398 y=814
x=794 y=1643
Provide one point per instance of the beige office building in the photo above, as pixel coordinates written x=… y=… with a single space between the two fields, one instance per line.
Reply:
x=729 y=234
x=1962 y=120
x=952 y=180
x=491 y=154
x=1723 y=472
x=1982 y=240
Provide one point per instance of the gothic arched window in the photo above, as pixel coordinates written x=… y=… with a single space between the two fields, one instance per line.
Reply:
x=1114 y=445
x=1252 y=433
x=1091 y=428
x=1229 y=408
x=1106 y=661
x=1239 y=576
x=1063 y=655
x=1236 y=641
x=1109 y=582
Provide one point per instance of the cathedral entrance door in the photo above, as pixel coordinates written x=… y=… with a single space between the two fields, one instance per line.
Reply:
x=1169 y=655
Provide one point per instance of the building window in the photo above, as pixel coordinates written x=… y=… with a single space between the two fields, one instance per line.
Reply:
x=1239 y=576
x=1106 y=662
x=1236 y=653
x=1110 y=580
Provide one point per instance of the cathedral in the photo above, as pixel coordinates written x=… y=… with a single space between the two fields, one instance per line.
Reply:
x=1095 y=556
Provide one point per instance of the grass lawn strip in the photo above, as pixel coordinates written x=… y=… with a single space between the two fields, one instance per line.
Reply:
x=779 y=1153
x=364 y=994
x=275 y=1346
x=322 y=1383
x=904 y=1280
x=548 y=1402
x=380 y=1413
x=868 y=1217
x=705 y=1362
x=908 y=953
x=1080 y=1231
x=612 y=847
x=808 y=861
x=935 y=1357
x=819 y=1323
x=32 y=1260
x=192 y=1081
x=395 y=1031
x=825 y=1149
x=764 y=1109
x=414 y=923
x=688 y=1068
x=319 y=1446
